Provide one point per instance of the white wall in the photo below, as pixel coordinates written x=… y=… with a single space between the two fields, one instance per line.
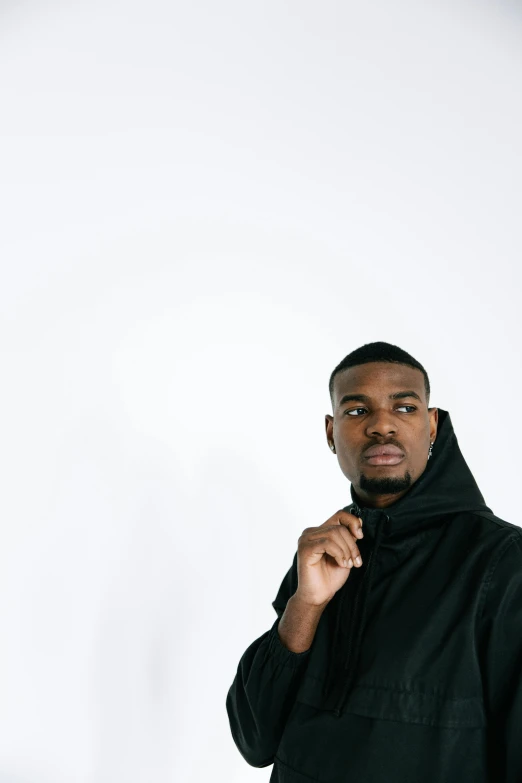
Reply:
x=205 y=207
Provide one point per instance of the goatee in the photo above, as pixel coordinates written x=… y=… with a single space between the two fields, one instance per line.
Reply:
x=385 y=485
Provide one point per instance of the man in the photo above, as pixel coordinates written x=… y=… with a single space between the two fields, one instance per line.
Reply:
x=407 y=668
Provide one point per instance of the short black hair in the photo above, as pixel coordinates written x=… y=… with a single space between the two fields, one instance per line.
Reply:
x=379 y=352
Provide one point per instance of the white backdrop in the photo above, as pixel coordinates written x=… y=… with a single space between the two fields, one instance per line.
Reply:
x=204 y=208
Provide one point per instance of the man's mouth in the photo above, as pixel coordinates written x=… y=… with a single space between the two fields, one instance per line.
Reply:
x=383 y=455
x=385 y=459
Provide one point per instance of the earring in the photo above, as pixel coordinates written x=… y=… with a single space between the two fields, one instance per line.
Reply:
x=430 y=452
x=332 y=447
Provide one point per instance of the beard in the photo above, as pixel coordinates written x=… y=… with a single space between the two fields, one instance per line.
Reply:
x=386 y=485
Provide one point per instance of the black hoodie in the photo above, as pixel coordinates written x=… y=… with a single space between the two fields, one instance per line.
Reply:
x=415 y=671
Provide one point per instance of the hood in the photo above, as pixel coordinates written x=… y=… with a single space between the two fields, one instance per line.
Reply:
x=445 y=487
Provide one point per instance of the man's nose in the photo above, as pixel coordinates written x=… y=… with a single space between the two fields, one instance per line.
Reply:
x=381 y=423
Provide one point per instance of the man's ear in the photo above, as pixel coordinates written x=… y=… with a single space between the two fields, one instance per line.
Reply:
x=328 y=423
x=434 y=422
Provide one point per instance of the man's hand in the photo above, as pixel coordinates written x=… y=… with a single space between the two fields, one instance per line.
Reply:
x=325 y=556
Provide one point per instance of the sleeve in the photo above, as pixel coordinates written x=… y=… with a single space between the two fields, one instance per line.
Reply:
x=264 y=688
x=501 y=647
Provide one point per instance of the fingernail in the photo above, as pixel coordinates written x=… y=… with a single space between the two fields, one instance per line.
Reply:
x=358 y=560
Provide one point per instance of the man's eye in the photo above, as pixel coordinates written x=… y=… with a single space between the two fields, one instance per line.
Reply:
x=354 y=410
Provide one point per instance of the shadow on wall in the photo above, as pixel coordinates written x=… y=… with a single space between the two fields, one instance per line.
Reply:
x=176 y=600
x=142 y=619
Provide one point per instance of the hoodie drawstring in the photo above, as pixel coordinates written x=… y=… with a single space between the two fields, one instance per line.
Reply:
x=356 y=633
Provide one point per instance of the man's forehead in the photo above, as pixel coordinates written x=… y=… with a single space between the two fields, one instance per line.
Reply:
x=378 y=378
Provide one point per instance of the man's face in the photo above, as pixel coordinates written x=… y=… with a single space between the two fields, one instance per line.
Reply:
x=371 y=417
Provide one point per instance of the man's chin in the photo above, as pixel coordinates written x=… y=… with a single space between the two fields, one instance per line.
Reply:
x=385 y=485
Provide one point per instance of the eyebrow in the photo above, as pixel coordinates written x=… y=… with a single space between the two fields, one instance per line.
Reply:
x=364 y=397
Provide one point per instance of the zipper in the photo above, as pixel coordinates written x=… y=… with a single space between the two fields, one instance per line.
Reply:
x=356 y=629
